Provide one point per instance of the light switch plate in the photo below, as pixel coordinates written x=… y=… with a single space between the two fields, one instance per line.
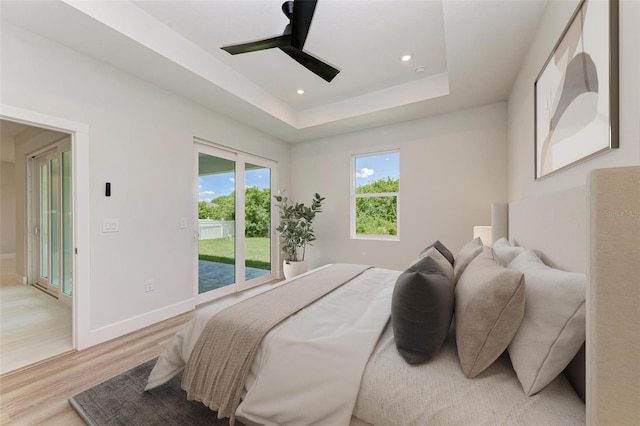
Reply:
x=110 y=225
x=183 y=223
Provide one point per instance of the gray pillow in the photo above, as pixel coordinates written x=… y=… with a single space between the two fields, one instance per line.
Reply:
x=421 y=310
x=504 y=252
x=442 y=249
x=553 y=327
x=467 y=253
x=489 y=308
x=444 y=264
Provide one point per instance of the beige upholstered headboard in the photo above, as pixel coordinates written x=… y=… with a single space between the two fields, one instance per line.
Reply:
x=553 y=225
x=595 y=229
x=613 y=298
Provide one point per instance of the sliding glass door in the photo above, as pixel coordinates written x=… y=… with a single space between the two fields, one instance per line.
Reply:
x=234 y=221
x=258 y=226
x=52 y=222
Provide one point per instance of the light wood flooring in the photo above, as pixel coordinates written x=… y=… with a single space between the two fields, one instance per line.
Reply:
x=33 y=325
x=37 y=395
x=38 y=366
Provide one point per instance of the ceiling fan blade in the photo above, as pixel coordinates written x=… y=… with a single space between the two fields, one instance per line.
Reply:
x=313 y=64
x=269 y=43
x=301 y=21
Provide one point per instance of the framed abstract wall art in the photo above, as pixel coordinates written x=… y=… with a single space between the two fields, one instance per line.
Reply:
x=576 y=93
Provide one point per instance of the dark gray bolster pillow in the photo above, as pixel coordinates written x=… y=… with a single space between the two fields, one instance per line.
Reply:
x=421 y=310
x=442 y=249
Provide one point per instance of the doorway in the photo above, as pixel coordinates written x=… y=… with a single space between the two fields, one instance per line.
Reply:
x=82 y=335
x=235 y=221
x=36 y=308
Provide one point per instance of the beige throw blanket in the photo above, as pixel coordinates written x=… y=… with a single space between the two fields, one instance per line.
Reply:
x=217 y=368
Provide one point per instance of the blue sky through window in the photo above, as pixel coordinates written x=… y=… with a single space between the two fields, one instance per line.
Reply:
x=374 y=167
x=213 y=186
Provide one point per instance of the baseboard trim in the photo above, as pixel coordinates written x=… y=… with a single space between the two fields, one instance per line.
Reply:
x=19 y=279
x=109 y=332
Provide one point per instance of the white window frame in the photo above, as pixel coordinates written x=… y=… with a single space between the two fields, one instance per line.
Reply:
x=353 y=196
x=240 y=159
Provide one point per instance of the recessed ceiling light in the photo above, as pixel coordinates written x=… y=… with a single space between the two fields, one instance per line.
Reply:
x=420 y=69
x=406 y=57
x=300 y=92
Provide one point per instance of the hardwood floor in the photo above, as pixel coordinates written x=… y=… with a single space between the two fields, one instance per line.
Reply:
x=37 y=395
x=33 y=325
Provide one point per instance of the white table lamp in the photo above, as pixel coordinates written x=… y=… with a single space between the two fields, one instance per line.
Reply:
x=484 y=232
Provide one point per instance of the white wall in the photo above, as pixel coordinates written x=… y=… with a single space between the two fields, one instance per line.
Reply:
x=140 y=140
x=521 y=183
x=452 y=167
x=7 y=197
x=8 y=209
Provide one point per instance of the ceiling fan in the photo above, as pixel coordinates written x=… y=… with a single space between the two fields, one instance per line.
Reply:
x=291 y=42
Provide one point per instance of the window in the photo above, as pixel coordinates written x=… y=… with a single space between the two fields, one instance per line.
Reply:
x=375 y=195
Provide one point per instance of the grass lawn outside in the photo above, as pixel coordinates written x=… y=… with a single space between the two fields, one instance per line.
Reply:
x=222 y=250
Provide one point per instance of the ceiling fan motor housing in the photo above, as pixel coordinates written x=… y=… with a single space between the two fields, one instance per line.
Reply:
x=300 y=14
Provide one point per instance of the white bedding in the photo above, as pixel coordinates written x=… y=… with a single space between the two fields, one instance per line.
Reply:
x=308 y=368
x=176 y=352
x=393 y=392
x=390 y=391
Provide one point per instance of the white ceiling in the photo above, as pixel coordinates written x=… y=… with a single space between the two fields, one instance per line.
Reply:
x=471 y=51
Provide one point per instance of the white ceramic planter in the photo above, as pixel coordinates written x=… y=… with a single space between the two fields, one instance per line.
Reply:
x=293 y=269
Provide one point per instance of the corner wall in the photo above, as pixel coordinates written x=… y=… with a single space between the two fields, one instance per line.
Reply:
x=520 y=151
x=452 y=167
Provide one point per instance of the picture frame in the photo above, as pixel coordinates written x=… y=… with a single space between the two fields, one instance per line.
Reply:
x=576 y=94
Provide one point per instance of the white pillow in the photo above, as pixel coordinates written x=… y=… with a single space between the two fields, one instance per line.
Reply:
x=553 y=327
x=504 y=252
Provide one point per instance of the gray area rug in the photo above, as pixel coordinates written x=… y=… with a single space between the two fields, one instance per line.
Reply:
x=122 y=400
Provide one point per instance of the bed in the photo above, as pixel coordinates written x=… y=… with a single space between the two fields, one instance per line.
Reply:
x=324 y=373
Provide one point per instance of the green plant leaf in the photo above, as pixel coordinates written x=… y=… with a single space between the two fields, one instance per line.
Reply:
x=295 y=228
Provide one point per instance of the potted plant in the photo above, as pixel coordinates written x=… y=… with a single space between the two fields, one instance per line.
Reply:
x=296 y=232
